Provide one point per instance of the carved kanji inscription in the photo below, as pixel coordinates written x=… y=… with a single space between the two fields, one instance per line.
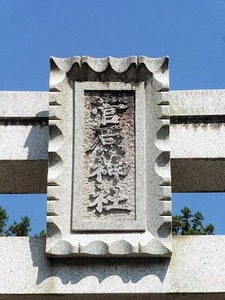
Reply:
x=109 y=156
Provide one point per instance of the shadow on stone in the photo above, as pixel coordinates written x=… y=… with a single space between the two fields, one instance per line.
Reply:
x=37 y=140
x=76 y=269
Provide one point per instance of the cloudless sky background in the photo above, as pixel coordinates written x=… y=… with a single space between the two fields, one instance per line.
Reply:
x=191 y=32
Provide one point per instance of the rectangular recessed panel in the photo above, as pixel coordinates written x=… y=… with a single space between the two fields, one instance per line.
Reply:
x=109 y=156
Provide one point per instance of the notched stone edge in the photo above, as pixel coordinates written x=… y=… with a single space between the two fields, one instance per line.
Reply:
x=158 y=75
x=162 y=168
x=55 y=162
x=102 y=248
x=129 y=69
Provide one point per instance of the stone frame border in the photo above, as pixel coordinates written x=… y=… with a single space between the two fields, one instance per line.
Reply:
x=156 y=239
x=103 y=225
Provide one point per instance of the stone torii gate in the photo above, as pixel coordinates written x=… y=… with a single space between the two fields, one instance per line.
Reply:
x=106 y=139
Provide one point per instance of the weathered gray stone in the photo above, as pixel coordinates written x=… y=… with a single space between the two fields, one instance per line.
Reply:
x=194 y=158
x=196 y=102
x=197 y=157
x=133 y=142
x=24 y=104
x=31 y=142
x=23 y=176
x=196 y=133
x=198 y=175
x=23 y=142
x=193 y=140
x=109 y=158
x=196 y=268
x=195 y=271
x=23 y=155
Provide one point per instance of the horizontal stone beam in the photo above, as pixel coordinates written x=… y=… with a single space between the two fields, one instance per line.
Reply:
x=24 y=104
x=23 y=156
x=197 y=157
x=23 y=142
x=25 y=271
x=198 y=175
x=23 y=176
x=196 y=102
x=197 y=136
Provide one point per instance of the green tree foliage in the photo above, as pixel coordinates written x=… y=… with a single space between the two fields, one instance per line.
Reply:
x=21 y=228
x=190 y=224
x=42 y=233
x=3 y=220
x=17 y=228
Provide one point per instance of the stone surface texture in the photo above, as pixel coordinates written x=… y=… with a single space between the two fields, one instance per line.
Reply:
x=197 y=134
x=23 y=176
x=31 y=142
x=196 y=102
x=112 y=157
x=195 y=271
x=23 y=142
x=24 y=139
x=83 y=218
x=24 y=104
x=202 y=140
x=24 y=125
x=197 y=266
x=150 y=232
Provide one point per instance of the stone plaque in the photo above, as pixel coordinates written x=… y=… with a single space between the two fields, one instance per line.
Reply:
x=108 y=154
x=109 y=175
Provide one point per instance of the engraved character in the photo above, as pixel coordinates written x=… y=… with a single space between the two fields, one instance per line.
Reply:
x=99 y=169
x=100 y=199
x=107 y=136
x=109 y=115
x=109 y=111
x=116 y=169
x=115 y=199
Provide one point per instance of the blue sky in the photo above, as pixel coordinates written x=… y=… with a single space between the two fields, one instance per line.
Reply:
x=191 y=32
